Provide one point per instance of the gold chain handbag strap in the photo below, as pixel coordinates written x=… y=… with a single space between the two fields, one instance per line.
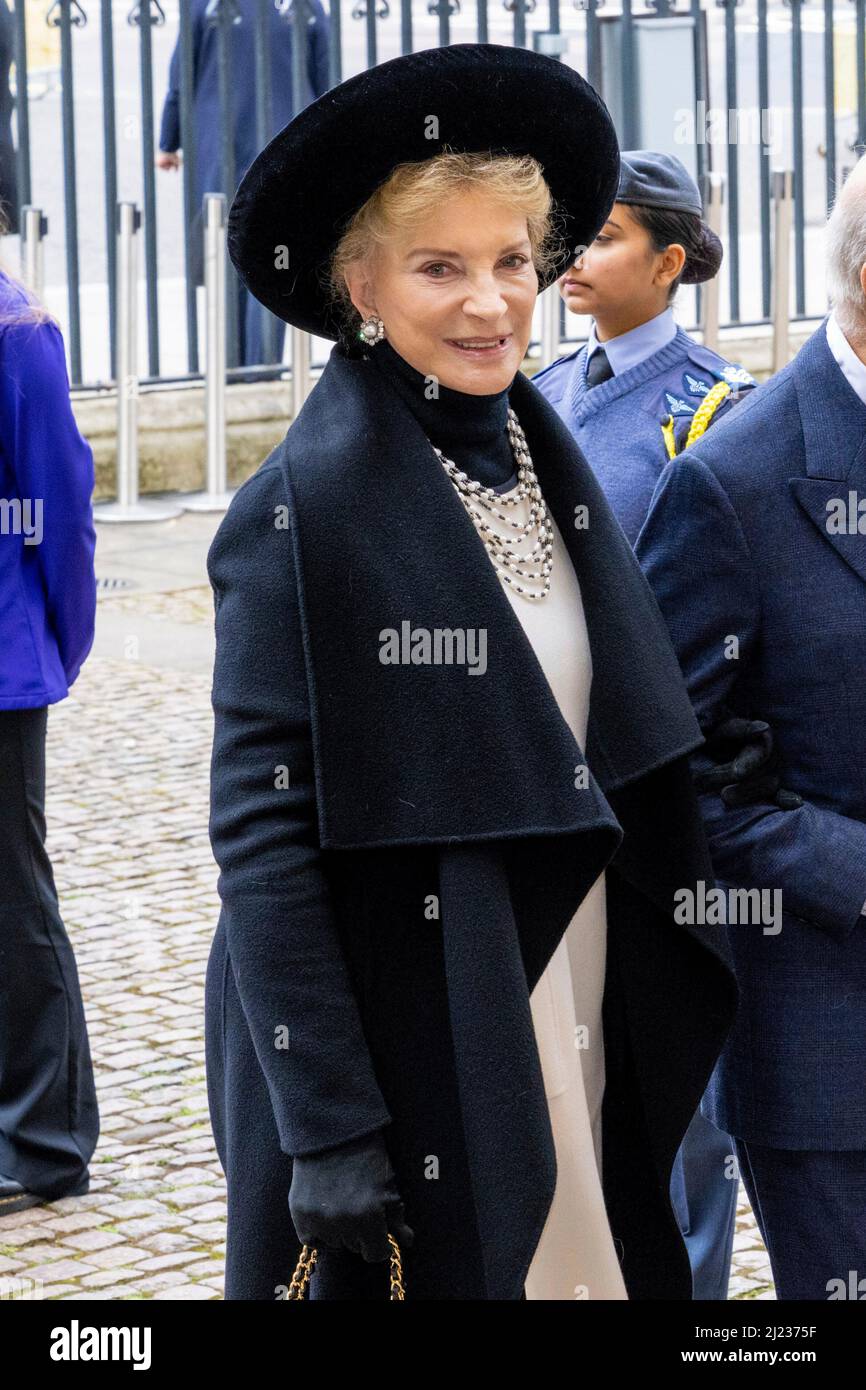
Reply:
x=308 y=1257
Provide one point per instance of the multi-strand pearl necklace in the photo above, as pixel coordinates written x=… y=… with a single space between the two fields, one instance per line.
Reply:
x=510 y=564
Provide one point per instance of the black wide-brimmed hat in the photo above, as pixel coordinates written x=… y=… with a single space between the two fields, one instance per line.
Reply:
x=299 y=194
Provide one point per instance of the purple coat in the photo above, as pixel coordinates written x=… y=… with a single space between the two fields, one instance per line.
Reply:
x=47 y=540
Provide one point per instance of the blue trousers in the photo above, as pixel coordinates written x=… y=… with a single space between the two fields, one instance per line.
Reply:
x=810 y=1206
x=704 y=1198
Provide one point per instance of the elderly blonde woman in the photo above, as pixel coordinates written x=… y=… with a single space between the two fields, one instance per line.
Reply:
x=451 y=1018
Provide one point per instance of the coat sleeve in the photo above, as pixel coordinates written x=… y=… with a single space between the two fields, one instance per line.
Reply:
x=169 y=130
x=281 y=932
x=53 y=468
x=697 y=560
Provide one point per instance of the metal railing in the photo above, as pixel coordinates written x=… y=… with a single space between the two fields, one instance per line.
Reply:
x=745 y=60
x=128 y=506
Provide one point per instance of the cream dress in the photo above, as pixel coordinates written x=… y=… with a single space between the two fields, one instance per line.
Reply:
x=575 y=1257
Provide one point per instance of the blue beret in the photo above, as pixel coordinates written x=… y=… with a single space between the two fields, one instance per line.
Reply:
x=657 y=181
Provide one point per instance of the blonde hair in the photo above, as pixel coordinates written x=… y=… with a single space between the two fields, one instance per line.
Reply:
x=412 y=190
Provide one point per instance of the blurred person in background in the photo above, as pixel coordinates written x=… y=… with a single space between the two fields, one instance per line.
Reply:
x=207 y=119
x=49 y=1121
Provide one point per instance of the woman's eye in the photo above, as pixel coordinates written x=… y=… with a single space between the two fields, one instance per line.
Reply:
x=601 y=237
x=516 y=258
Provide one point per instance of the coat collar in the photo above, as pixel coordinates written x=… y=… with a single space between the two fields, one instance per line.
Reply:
x=834 y=434
x=429 y=753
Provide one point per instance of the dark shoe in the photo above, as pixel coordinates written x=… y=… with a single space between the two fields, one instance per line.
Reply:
x=14 y=1197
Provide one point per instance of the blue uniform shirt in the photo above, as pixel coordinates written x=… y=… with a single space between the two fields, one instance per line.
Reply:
x=659 y=370
x=628 y=349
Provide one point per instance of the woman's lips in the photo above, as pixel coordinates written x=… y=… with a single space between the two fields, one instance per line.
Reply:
x=471 y=347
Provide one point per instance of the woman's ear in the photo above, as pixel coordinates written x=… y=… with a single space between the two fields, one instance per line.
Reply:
x=359 y=285
x=671 y=262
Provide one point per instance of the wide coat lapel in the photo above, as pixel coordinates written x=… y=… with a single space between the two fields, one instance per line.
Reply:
x=437 y=753
x=834 y=434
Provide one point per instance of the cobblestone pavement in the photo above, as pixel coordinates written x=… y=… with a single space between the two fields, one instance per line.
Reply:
x=128 y=760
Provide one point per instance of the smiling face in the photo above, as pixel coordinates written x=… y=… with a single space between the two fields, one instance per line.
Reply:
x=456 y=293
x=620 y=280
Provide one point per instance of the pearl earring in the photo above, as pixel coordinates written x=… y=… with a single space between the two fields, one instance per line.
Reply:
x=372 y=330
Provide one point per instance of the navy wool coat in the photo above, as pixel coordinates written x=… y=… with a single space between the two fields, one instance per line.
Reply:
x=746 y=539
x=402 y=846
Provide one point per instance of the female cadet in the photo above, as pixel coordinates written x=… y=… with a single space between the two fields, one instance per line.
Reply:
x=641 y=380
x=420 y=818
x=637 y=393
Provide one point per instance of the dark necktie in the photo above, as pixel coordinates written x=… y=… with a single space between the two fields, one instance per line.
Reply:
x=598 y=369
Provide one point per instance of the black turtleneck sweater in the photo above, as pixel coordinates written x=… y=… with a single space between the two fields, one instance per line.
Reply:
x=470 y=430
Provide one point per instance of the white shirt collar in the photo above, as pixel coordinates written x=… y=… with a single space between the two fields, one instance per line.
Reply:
x=628 y=349
x=853 y=369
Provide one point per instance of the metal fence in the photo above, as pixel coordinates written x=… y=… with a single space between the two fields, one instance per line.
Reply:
x=737 y=89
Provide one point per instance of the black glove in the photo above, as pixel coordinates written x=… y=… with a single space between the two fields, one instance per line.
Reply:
x=345 y=1198
x=746 y=762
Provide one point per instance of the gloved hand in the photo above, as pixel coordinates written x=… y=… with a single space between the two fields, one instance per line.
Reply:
x=746 y=761
x=345 y=1198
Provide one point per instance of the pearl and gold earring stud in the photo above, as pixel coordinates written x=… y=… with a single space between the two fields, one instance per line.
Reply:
x=372 y=330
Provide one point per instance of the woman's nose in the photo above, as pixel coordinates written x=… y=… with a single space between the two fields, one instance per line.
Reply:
x=485 y=299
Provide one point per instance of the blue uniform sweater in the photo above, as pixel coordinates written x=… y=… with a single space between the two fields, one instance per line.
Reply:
x=618 y=423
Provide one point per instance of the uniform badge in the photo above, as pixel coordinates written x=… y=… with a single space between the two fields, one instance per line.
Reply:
x=735 y=376
x=677 y=406
x=738 y=376
x=694 y=385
